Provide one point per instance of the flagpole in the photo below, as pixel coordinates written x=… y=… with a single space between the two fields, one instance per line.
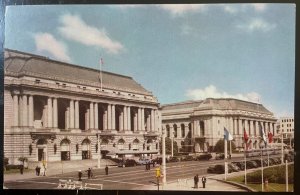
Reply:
x=101 y=74
x=245 y=164
x=262 y=171
x=225 y=158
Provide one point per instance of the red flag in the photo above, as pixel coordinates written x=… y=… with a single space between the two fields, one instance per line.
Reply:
x=245 y=136
x=270 y=136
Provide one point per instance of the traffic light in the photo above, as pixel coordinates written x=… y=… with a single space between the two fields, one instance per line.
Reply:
x=157 y=172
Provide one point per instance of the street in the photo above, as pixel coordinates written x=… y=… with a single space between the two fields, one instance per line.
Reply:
x=128 y=178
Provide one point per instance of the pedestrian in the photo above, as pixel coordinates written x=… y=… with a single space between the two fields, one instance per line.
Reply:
x=21 y=169
x=146 y=166
x=196 y=180
x=153 y=163
x=106 y=170
x=44 y=170
x=36 y=170
x=89 y=173
x=203 y=181
x=149 y=165
x=79 y=175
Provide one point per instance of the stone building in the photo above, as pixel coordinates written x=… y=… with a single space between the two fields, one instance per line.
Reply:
x=55 y=111
x=198 y=125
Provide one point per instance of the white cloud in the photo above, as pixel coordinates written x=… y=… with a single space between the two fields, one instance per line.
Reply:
x=259 y=6
x=230 y=9
x=74 y=28
x=212 y=92
x=180 y=9
x=256 y=24
x=46 y=42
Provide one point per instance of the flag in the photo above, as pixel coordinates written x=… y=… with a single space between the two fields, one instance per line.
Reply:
x=245 y=136
x=227 y=135
x=101 y=61
x=262 y=133
x=270 y=137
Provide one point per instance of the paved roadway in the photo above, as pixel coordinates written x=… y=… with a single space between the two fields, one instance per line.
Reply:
x=128 y=178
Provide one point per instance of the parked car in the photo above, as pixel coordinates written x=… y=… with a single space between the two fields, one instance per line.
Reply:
x=187 y=158
x=143 y=161
x=173 y=159
x=234 y=167
x=211 y=169
x=204 y=156
x=258 y=162
x=220 y=156
x=127 y=163
x=251 y=165
x=241 y=165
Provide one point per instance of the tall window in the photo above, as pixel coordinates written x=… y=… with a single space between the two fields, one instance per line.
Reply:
x=175 y=130
x=201 y=128
x=168 y=130
x=182 y=130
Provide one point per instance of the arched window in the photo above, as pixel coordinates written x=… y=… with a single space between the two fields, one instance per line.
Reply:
x=182 y=130
x=121 y=143
x=86 y=149
x=135 y=144
x=65 y=149
x=190 y=131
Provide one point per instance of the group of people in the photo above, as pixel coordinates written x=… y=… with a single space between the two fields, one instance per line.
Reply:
x=196 y=181
x=90 y=173
x=148 y=165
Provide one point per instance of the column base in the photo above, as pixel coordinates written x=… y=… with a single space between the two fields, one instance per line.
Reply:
x=75 y=130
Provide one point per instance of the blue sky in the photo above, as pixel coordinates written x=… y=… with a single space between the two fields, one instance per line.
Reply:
x=179 y=52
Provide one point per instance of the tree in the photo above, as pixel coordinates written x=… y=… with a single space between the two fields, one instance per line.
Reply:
x=219 y=147
x=168 y=147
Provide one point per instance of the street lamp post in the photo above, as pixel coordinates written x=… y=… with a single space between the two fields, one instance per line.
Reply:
x=164 y=181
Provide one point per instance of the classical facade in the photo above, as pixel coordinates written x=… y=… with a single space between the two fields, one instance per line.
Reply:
x=285 y=126
x=55 y=111
x=198 y=125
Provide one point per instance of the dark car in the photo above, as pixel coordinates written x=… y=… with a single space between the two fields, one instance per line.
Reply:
x=272 y=161
x=251 y=165
x=258 y=162
x=220 y=156
x=127 y=163
x=204 y=157
x=188 y=158
x=241 y=165
x=173 y=159
x=211 y=169
x=233 y=168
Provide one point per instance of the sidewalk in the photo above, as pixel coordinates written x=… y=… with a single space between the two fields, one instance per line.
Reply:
x=212 y=184
x=55 y=168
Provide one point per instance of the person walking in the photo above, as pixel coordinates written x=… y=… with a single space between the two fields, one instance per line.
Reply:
x=79 y=175
x=106 y=170
x=36 y=170
x=21 y=169
x=203 y=181
x=196 y=180
x=89 y=173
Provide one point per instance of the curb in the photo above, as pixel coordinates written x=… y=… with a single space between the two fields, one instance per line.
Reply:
x=236 y=184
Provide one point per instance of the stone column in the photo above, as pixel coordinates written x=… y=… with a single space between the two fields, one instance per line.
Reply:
x=128 y=119
x=251 y=128
x=49 y=107
x=96 y=115
x=121 y=124
x=25 y=111
x=143 y=119
x=155 y=120
x=55 y=117
x=125 y=118
x=240 y=130
x=71 y=114
x=152 y=120
x=67 y=118
x=16 y=110
x=109 y=116
x=149 y=123
x=76 y=114
x=113 y=117
x=256 y=132
x=135 y=122
x=87 y=119
x=105 y=119
x=272 y=128
x=139 y=116
x=92 y=123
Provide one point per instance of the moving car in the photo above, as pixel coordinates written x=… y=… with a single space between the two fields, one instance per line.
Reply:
x=127 y=163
